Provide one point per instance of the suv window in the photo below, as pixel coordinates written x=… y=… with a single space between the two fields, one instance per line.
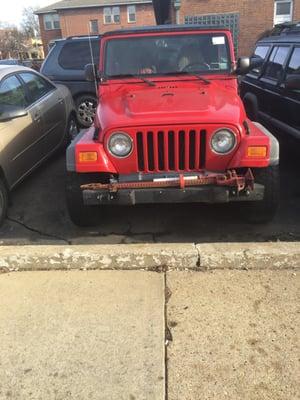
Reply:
x=12 y=92
x=36 y=86
x=276 y=61
x=75 y=55
x=294 y=64
x=261 y=52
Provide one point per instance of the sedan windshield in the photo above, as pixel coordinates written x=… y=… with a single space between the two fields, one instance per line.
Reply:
x=167 y=55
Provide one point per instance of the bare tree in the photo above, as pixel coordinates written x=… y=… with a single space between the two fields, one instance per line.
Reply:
x=30 y=25
x=12 y=42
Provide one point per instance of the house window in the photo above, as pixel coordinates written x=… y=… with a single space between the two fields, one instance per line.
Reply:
x=131 y=14
x=111 y=15
x=51 y=21
x=94 y=26
x=283 y=11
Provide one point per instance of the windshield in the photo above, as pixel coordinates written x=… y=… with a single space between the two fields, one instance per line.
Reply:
x=167 y=55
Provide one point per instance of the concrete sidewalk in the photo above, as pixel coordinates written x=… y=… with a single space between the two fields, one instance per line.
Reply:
x=82 y=335
x=138 y=335
x=235 y=335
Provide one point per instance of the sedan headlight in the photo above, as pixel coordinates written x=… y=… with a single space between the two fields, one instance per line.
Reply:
x=223 y=141
x=120 y=144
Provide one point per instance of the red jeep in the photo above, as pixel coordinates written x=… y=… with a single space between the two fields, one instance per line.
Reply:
x=170 y=127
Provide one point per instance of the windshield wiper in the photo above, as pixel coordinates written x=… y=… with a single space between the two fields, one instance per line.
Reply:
x=201 y=78
x=150 y=83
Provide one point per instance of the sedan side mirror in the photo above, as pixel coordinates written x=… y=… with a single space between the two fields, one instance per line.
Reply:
x=11 y=112
x=246 y=64
x=90 y=72
x=292 y=82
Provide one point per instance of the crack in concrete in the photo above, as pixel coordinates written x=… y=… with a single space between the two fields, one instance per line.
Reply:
x=198 y=263
x=168 y=335
x=41 y=233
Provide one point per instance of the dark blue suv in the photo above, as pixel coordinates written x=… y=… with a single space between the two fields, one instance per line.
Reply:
x=65 y=64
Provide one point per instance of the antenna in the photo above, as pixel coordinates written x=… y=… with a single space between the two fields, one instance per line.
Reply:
x=93 y=60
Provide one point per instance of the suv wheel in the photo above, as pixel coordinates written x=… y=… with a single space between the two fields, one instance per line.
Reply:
x=264 y=210
x=3 y=202
x=80 y=214
x=86 y=109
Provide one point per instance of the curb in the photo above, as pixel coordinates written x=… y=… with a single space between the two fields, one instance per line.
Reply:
x=249 y=256
x=126 y=257
x=152 y=257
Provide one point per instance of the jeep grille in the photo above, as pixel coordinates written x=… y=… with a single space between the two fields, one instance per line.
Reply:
x=171 y=150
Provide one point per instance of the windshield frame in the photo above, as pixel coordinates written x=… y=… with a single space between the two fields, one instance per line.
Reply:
x=210 y=73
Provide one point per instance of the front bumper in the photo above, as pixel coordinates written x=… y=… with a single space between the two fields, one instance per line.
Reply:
x=190 y=195
x=202 y=188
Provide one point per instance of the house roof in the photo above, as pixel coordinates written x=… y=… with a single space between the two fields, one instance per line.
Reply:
x=71 y=4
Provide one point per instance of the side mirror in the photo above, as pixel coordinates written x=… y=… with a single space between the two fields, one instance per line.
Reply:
x=246 y=64
x=11 y=112
x=243 y=65
x=292 y=82
x=90 y=72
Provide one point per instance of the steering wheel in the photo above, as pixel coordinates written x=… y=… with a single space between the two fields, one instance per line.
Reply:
x=191 y=67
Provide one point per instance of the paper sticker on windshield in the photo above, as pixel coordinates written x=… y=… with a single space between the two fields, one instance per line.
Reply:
x=218 y=40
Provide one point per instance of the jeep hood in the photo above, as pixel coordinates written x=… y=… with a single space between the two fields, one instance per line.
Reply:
x=191 y=102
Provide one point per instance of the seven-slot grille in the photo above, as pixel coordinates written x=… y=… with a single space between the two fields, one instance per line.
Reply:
x=171 y=150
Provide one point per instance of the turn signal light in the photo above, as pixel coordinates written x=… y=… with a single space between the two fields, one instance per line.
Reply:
x=257 y=151
x=88 y=156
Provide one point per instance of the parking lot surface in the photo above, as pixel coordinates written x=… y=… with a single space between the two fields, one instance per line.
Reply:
x=38 y=215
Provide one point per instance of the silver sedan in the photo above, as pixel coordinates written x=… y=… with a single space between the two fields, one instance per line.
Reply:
x=37 y=118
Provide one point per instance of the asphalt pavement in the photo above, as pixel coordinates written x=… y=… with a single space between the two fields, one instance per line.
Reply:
x=38 y=215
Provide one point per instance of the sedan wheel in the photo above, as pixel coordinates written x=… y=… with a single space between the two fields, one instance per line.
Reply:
x=86 y=110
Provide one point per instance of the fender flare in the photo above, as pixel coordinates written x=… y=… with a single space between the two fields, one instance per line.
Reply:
x=70 y=153
x=251 y=100
x=275 y=148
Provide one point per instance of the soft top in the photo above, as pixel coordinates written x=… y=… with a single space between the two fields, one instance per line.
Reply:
x=165 y=28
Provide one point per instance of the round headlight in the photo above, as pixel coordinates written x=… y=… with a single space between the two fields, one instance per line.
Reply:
x=120 y=144
x=223 y=141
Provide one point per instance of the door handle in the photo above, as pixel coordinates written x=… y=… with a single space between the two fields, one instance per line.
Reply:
x=60 y=100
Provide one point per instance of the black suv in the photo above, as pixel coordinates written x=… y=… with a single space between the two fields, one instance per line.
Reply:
x=65 y=64
x=271 y=91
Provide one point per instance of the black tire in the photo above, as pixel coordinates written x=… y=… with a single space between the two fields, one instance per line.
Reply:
x=71 y=132
x=3 y=202
x=264 y=210
x=86 y=109
x=80 y=214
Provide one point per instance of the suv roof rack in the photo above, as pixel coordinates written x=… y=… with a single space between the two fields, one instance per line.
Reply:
x=287 y=28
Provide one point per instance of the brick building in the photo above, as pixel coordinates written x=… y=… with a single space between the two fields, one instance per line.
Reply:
x=82 y=17
x=246 y=18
